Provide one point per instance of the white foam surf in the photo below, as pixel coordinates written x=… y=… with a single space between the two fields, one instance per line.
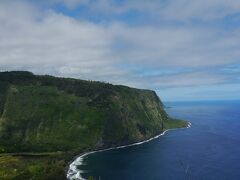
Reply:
x=75 y=174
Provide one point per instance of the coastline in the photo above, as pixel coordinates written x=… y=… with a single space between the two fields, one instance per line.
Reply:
x=74 y=173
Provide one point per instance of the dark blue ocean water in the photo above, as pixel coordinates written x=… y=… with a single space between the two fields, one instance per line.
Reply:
x=209 y=150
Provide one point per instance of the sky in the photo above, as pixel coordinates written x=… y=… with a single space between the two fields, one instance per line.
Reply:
x=183 y=49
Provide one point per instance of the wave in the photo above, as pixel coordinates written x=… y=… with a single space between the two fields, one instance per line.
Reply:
x=75 y=174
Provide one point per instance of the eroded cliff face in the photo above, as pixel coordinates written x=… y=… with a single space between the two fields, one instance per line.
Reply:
x=44 y=113
x=135 y=115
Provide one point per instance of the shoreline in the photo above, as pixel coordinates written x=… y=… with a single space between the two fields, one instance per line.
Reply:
x=74 y=173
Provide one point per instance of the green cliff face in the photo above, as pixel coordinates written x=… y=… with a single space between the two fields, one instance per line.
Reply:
x=48 y=114
x=43 y=113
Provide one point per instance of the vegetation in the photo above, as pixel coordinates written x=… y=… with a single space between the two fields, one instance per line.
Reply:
x=32 y=167
x=41 y=116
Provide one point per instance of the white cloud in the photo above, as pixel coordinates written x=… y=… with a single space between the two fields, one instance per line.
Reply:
x=52 y=43
x=178 y=47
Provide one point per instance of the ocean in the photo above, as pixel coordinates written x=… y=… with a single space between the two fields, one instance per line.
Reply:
x=209 y=150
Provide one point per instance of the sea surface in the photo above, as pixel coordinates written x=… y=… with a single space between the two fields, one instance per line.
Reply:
x=209 y=150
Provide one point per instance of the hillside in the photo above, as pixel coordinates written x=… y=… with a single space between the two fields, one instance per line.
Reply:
x=45 y=114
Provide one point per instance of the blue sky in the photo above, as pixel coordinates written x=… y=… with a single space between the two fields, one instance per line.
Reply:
x=182 y=49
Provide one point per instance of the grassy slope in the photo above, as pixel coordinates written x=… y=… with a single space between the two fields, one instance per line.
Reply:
x=47 y=114
x=39 y=118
